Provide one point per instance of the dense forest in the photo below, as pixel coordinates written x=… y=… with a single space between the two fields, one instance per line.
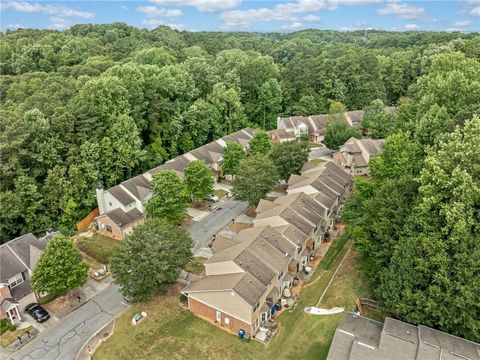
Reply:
x=416 y=220
x=96 y=104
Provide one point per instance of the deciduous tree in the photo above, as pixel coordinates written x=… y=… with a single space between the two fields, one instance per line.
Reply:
x=150 y=259
x=260 y=143
x=255 y=177
x=59 y=268
x=199 y=179
x=169 y=199
x=232 y=156
x=289 y=157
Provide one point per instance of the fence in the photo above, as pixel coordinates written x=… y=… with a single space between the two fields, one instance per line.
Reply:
x=88 y=219
x=366 y=304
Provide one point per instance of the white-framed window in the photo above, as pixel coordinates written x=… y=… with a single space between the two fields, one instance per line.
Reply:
x=227 y=321
x=15 y=280
x=108 y=228
x=264 y=316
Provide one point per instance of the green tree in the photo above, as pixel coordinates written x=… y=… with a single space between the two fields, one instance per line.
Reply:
x=59 y=268
x=255 y=177
x=337 y=133
x=289 y=157
x=198 y=180
x=269 y=103
x=259 y=143
x=376 y=122
x=169 y=199
x=150 y=259
x=433 y=274
x=232 y=156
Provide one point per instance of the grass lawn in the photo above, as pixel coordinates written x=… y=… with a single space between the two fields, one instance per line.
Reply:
x=9 y=337
x=195 y=266
x=220 y=193
x=98 y=247
x=171 y=332
x=315 y=145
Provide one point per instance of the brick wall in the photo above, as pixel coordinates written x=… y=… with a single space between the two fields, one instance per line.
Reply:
x=116 y=231
x=209 y=313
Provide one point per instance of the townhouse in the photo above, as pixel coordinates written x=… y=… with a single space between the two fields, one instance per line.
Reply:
x=355 y=155
x=123 y=206
x=358 y=337
x=18 y=258
x=248 y=274
x=292 y=127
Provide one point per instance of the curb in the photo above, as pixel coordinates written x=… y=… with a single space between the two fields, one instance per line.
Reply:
x=92 y=349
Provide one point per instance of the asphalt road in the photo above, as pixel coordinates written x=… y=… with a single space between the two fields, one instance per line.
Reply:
x=316 y=153
x=65 y=339
x=202 y=231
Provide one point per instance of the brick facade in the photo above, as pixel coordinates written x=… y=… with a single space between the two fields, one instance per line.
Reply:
x=209 y=313
x=116 y=231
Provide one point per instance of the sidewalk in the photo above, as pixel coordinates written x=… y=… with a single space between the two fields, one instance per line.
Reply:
x=95 y=341
x=64 y=305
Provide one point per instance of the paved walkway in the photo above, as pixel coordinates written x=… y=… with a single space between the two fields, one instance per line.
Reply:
x=202 y=232
x=65 y=339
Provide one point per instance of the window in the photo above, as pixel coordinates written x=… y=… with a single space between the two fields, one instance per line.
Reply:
x=255 y=307
x=110 y=203
x=109 y=228
x=359 y=170
x=227 y=321
x=15 y=280
x=264 y=316
x=280 y=275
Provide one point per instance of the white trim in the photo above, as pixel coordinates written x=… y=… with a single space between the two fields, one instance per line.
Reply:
x=366 y=345
x=211 y=307
x=345 y=332
x=13 y=252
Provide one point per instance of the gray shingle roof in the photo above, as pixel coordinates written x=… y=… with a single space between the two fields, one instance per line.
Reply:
x=122 y=219
x=139 y=186
x=121 y=195
x=358 y=338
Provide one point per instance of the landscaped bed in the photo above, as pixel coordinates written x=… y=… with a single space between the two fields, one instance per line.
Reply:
x=171 y=332
x=98 y=247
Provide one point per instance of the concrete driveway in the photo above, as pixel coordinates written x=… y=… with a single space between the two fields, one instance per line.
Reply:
x=202 y=232
x=65 y=339
x=317 y=153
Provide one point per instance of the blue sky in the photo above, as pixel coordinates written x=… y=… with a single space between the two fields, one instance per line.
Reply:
x=244 y=15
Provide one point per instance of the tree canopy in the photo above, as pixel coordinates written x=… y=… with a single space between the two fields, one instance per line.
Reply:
x=260 y=143
x=97 y=104
x=255 y=177
x=289 y=157
x=198 y=180
x=169 y=199
x=232 y=156
x=150 y=259
x=415 y=222
x=59 y=268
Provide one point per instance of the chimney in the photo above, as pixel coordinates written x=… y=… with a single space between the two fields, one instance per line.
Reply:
x=100 y=199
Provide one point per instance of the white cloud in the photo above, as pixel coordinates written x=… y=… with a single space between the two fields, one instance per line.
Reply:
x=461 y=24
x=57 y=10
x=203 y=5
x=358 y=25
x=404 y=11
x=412 y=27
x=152 y=23
x=475 y=11
x=293 y=26
x=59 y=23
x=153 y=11
x=13 y=26
x=179 y=27
x=243 y=19
x=124 y=7
x=311 y=18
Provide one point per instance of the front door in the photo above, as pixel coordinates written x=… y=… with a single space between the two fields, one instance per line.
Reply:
x=218 y=316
